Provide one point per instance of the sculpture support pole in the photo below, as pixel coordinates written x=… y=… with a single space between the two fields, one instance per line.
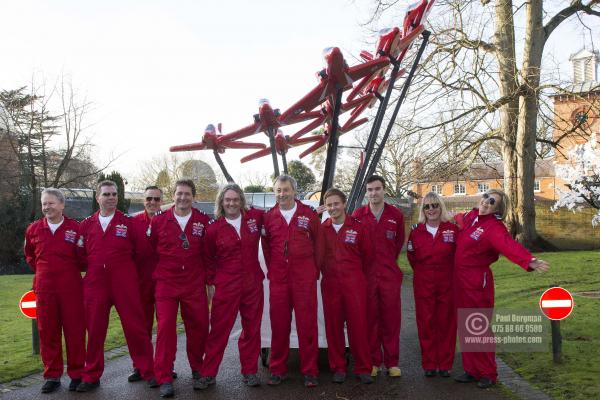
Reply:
x=372 y=165
x=222 y=166
x=284 y=162
x=271 y=134
x=332 y=146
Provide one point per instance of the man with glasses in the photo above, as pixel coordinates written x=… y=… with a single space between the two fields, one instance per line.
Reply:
x=108 y=244
x=386 y=224
x=153 y=199
x=177 y=237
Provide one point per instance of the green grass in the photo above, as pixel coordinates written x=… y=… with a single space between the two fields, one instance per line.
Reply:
x=16 y=358
x=578 y=377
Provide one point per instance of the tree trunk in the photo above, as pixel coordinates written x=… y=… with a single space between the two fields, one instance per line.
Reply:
x=505 y=52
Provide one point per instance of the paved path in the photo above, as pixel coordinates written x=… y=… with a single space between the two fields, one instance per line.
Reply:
x=412 y=384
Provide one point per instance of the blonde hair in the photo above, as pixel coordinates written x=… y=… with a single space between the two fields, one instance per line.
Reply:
x=504 y=203
x=219 y=212
x=436 y=198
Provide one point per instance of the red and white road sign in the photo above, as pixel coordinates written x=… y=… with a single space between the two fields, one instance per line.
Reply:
x=27 y=304
x=556 y=303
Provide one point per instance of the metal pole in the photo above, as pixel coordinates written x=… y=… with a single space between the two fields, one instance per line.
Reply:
x=271 y=134
x=332 y=145
x=360 y=173
x=284 y=162
x=35 y=337
x=379 y=152
x=222 y=166
x=556 y=342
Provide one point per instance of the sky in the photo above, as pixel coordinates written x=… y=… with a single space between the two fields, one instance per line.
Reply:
x=157 y=72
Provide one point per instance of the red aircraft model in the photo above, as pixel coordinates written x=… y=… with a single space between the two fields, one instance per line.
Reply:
x=217 y=143
x=337 y=75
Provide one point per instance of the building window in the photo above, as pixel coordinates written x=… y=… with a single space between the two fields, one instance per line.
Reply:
x=437 y=189
x=536 y=186
x=459 y=188
x=483 y=187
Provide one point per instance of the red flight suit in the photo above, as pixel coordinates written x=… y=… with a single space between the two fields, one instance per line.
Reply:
x=180 y=277
x=290 y=255
x=480 y=240
x=146 y=266
x=345 y=257
x=384 y=280
x=59 y=290
x=112 y=279
x=432 y=260
x=237 y=276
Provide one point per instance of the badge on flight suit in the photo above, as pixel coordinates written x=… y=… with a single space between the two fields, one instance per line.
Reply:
x=121 y=230
x=448 y=236
x=71 y=236
x=80 y=241
x=409 y=246
x=477 y=233
x=303 y=222
x=252 y=225
x=149 y=231
x=350 y=237
x=390 y=235
x=197 y=229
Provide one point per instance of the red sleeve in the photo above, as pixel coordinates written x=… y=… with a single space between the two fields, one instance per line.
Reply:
x=141 y=244
x=80 y=248
x=210 y=251
x=410 y=251
x=460 y=220
x=400 y=233
x=367 y=249
x=264 y=242
x=29 y=248
x=315 y=230
x=502 y=242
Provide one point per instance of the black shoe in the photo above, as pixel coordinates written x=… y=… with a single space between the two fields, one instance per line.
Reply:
x=152 y=384
x=275 y=380
x=201 y=383
x=465 y=378
x=485 y=383
x=135 y=376
x=73 y=385
x=51 y=385
x=166 y=390
x=366 y=379
x=310 y=381
x=430 y=373
x=252 y=380
x=444 y=373
x=87 y=386
x=338 y=377
x=174 y=375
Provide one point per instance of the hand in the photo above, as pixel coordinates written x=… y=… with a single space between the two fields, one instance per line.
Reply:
x=539 y=265
x=321 y=209
x=210 y=292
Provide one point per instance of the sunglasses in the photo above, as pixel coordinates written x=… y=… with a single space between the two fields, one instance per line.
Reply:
x=185 y=243
x=433 y=206
x=489 y=199
x=107 y=194
x=157 y=199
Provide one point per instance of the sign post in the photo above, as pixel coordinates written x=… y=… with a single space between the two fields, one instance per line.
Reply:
x=28 y=306
x=556 y=303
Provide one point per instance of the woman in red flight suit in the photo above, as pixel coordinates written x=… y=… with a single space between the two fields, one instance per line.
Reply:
x=481 y=239
x=430 y=252
x=235 y=278
x=50 y=250
x=345 y=251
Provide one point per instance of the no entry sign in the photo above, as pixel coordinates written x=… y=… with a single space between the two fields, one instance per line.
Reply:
x=27 y=304
x=556 y=303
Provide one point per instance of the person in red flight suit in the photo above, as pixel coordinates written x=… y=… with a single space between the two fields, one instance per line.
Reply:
x=345 y=253
x=481 y=239
x=386 y=224
x=430 y=252
x=236 y=280
x=290 y=233
x=50 y=250
x=177 y=237
x=153 y=199
x=109 y=244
